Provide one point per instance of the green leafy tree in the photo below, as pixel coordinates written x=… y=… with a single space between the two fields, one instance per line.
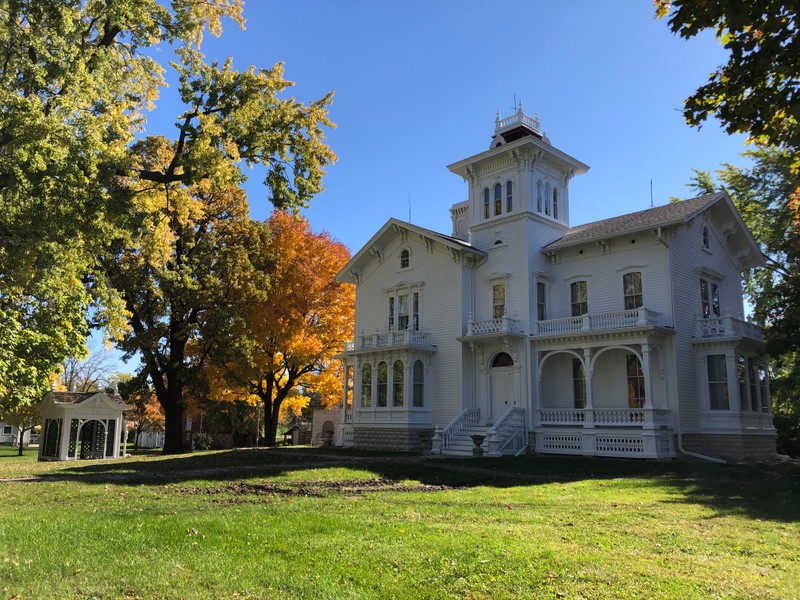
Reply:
x=75 y=80
x=25 y=417
x=760 y=194
x=756 y=91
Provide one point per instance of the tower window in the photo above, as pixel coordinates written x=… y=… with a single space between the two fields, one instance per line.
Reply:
x=485 y=203
x=498 y=199
x=539 y=196
x=547 y=197
x=499 y=300
x=509 y=196
x=555 y=203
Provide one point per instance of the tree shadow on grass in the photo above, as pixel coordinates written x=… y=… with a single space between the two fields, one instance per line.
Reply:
x=764 y=491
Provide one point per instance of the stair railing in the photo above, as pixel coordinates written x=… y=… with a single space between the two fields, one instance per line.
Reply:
x=507 y=435
x=444 y=437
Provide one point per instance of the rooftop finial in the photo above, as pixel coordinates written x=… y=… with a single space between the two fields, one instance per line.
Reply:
x=519 y=110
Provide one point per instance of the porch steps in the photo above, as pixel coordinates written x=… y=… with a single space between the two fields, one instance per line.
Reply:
x=463 y=445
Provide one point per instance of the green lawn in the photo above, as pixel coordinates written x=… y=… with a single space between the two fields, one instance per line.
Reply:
x=309 y=523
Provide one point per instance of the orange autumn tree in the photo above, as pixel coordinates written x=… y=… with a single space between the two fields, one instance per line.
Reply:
x=286 y=339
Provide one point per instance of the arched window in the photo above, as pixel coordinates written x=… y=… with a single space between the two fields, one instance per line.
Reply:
x=366 y=385
x=539 y=196
x=397 y=383
x=498 y=199
x=502 y=360
x=547 y=197
x=636 y=382
x=419 y=384
x=485 y=203
x=405 y=259
x=555 y=203
x=382 y=384
x=705 y=237
x=509 y=196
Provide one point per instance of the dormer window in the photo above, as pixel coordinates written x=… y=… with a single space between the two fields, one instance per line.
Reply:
x=498 y=199
x=405 y=258
x=485 y=203
x=509 y=196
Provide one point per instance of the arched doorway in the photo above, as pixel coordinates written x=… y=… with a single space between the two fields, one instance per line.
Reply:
x=92 y=439
x=502 y=386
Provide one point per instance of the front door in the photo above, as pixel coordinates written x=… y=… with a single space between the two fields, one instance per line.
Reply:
x=503 y=392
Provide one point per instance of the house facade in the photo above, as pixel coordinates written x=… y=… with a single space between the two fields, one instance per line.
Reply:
x=622 y=337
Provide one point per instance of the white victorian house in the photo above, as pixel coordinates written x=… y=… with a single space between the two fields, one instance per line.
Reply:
x=623 y=337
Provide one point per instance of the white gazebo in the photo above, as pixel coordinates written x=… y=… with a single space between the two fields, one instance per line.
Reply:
x=81 y=425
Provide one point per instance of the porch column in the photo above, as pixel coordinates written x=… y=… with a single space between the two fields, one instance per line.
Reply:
x=345 y=389
x=536 y=413
x=588 y=410
x=648 y=387
x=63 y=452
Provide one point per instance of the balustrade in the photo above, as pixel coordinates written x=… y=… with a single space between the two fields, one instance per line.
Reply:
x=604 y=417
x=727 y=326
x=621 y=319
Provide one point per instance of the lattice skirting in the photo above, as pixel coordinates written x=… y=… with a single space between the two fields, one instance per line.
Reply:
x=627 y=444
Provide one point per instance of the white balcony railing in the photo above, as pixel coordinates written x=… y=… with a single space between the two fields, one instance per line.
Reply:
x=727 y=326
x=406 y=338
x=621 y=319
x=493 y=326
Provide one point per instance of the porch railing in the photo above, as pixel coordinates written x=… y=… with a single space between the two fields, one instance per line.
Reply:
x=621 y=319
x=508 y=435
x=604 y=417
x=443 y=438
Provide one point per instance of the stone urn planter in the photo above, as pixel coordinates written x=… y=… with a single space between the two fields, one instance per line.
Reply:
x=477 y=440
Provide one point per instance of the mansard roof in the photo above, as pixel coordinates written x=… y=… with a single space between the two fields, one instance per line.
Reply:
x=386 y=233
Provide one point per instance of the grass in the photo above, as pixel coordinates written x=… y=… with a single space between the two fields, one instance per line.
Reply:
x=311 y=523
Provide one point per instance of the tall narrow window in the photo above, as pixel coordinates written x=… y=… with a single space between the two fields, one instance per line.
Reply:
x=547 y=197
x=541 y=301
x=509 y=196
x=717 y=382
x=391 y=313
x=499 y=300
x=705 y=237
x=580 y=303
x=419 y=384
x=762 y=381
x=402 y=312
x=709 y=296
x=415 y=311
x=555 y=203
x=635 y=382
x=366 y=385
x=741 y=376
x=485 y=203
x=578 y=384
x=382 y=384
x=498 y=199
x=632 y=286
x=397 y=383
x=539 y=196
x=405 y=259
x=751 y=376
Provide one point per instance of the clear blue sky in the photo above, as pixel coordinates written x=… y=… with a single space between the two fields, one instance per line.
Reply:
x=417 y=85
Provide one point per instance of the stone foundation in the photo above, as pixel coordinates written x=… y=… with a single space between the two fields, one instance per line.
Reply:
x=392 y=438
x=736 y=448
x=531 y=442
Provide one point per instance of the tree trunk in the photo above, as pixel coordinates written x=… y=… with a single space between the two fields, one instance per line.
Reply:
x=21 y=437
x=173 y=428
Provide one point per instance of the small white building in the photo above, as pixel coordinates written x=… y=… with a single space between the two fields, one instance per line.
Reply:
x=622 y=337
x=81 y=426
x=9 y=435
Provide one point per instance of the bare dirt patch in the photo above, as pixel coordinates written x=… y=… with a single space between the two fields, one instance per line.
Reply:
x=242 y=492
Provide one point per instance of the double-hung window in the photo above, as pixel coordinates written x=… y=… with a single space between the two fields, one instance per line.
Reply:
x=578 y=384
x=632 y=286
x=498 y=300
x=709 y=297
x=717 y=382
x=403 y=310
x=541 y=301
x=579 y=298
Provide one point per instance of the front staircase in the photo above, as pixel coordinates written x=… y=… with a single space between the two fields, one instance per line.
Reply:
x=507 y=437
